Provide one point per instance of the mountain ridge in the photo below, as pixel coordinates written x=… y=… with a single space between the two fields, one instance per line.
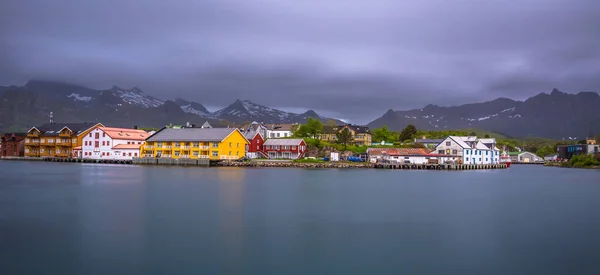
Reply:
x=122 y=107
x=553 y=115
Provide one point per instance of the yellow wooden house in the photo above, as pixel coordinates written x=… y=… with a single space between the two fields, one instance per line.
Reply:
x=56 y=139
x=361 y=135
x=196 y=143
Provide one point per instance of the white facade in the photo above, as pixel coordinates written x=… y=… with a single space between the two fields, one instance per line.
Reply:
x=470 y=150
x=112 y=144
x=279 y=133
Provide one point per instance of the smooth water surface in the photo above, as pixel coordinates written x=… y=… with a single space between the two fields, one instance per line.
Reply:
x=58 y=218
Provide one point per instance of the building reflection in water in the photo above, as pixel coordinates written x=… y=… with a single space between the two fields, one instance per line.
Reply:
x=231 y=217
x=112 y=216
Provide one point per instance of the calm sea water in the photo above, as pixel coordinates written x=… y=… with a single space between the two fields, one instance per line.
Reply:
x=104 y=219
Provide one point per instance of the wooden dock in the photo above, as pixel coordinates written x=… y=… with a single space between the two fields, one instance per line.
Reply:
x=401 y=166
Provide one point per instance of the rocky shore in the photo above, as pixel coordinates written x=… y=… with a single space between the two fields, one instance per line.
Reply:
x=289 y=164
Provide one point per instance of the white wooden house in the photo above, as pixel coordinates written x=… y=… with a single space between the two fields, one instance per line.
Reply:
x=469 y=150
x=112 y=143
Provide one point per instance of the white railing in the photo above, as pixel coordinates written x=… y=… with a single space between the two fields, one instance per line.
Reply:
x=186 y=147
x=203 y=156
x=229 y=157
x=165 y=156
x=166 y=147
x=149 y=147
x=204 y=147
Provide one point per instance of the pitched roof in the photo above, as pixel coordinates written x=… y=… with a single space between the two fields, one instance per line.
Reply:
x=250 y=134
x=280 y=127
x=206 y=125
x=124 y=133
x=192 y=134
x=460 y=141
x=481 y=146
x=283 y=141
x=487 y=140
x=53 y=129
x=127 y=146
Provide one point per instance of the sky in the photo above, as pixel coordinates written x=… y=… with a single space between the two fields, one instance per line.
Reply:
x=350 y=59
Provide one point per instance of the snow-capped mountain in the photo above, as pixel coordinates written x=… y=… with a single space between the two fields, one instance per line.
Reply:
x=135 y=96
x=195 y=108
x=242 y=111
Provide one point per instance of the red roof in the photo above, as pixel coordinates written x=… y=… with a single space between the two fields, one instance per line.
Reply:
x=124 y=133
x=399 y=151
x=127 y=146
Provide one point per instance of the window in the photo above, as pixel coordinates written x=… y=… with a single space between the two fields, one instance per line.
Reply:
x=177 y=144
x=159 y=144
x=195 y=153
x=467 y=159
x=406 y=157
x=195 y=144
x=230 y=153
x=215 y=145
x=238 y=145
x=97 y=135
x=479 y=159
x=103 y=134
x=130 y=154
x=215 y=153
x=277 y=134
x=294 y=147
x=90 y=134
x=135 y=154
x=257 y=147
x=97 y=143
x=486 y=159
x=486 y=153
x=285 y=134
x=448 y=143
x=177 y=153
x=74 y=141
x=441 y=152
x=454 y=152
x=237 y=153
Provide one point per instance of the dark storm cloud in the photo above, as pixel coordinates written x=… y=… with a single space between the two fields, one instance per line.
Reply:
x=351 y=59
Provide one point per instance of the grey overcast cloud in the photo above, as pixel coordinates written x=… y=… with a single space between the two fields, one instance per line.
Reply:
x=351 y=59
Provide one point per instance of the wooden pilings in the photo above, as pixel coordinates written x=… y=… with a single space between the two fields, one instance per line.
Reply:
x=439 y=166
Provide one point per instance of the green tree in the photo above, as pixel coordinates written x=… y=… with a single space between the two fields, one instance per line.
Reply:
x=311 y=129
x=486 y=136
x=472 y=134
x=583 y=141
x=344 y=137
x=382 y=134
x=409 y=133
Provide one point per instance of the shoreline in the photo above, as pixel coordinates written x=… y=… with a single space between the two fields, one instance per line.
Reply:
x=560 y=165
x=291 y=164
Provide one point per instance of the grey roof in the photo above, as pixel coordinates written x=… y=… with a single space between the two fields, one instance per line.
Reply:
x=283 y=141
x=53 y=129
x=250 y=134
x=191 y=134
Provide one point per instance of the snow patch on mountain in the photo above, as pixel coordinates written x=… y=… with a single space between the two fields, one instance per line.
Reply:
x=190 y=110
x=135 y=96
x=508 y=110
x=78 y=97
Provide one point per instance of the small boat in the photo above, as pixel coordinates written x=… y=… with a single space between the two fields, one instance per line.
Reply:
x=505 y=158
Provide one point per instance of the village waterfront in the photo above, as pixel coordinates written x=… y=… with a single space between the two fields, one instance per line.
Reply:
x=127 y=219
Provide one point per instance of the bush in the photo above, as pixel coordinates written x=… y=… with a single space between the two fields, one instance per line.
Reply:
x=583 y=161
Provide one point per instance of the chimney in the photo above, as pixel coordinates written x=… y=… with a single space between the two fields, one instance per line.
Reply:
x=187 y=124
x=135 y=127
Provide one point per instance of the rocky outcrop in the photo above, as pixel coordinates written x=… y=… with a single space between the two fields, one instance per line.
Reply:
x=295 y=164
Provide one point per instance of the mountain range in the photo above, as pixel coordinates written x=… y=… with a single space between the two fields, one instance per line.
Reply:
x=21 y=107
x=555 y=115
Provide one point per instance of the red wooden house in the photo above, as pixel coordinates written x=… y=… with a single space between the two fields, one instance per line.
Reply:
x=255 y=148
x=13 y=144
x=275 y=148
